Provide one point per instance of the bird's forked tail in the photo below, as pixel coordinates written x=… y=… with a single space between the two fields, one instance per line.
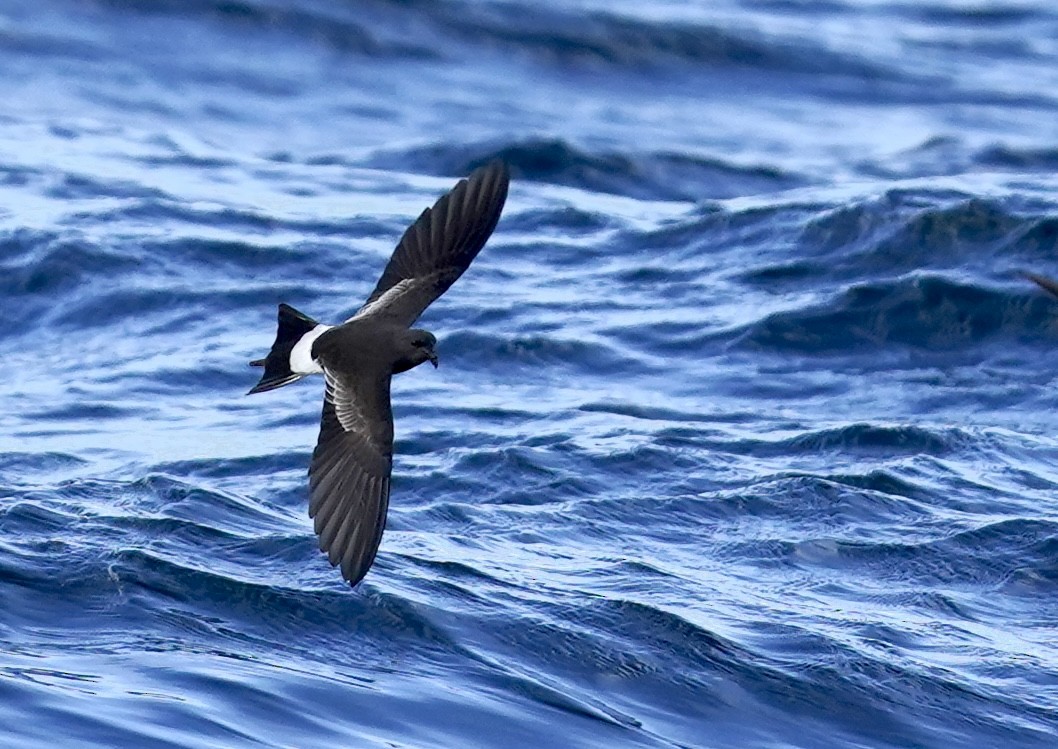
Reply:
x=293 y=326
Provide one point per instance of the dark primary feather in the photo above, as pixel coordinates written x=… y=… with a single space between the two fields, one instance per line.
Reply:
x=350 y=470
x=436 y=250
x=1047 y=284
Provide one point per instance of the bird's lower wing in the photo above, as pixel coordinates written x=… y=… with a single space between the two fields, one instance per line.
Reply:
x=350 y=472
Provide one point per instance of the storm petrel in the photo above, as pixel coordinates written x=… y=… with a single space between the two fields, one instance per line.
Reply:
x=1047 y=284
x=350 y=470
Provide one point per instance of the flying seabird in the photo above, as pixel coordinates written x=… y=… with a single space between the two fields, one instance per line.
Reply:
x=1047 y=284
x=350 y=469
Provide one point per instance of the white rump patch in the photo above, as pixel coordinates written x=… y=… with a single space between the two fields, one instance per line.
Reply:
x=301 y=361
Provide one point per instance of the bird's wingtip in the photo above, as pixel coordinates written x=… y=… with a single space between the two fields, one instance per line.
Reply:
x=1047 y=284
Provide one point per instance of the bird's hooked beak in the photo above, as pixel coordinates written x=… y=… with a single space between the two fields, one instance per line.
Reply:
x=432 y=358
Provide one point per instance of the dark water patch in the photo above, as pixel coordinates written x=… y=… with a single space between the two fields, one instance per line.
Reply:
x=1035 y=581
x=886 y=692
x=855 y=440
x=153 y=309
x=649 y=347
x=881 y=439
x=559 y=221
x=823 y=8
x=44 y=264
x=516 y=413
x=610 y=669
x=601 y=41
x=454 y=576
x=175 y=497
x=660 y=413
x=712 y=229
x=949 y=234
x=334 y=27
x=57 y=46
x=657 y=176
x=1037 y=242
x=82 y=187
x=982 y=558
x=939 y=155
x=157 y=497
x=887 y=482
x=15 y=466
x=524 y=476
x=244 y=270
x=86 y=411
x=180 y=562
x=928 y=313
x=290 y=420
x=433 y=513
x=429 y=441
x=700 y=672
x=277 y=617
x=228 y=255
x=91 y=312
x=246 y=219
x=533 y=351
x=786 y=273
x=1019 y=159
x=987 y=47
x=214 y=468
x=219 y=377
x=905 y=232
x=29 y=516
x=186 y=160
x=18 y=176
x=975 y=14
x=723 y=517
x=647 y=458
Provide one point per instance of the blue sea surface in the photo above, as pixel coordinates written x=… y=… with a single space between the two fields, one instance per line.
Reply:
x=745 y=432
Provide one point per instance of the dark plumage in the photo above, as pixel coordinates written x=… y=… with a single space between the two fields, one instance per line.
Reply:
x=1047 y=284
x=350 y=470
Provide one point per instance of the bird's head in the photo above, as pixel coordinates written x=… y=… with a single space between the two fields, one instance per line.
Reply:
x=416 y=347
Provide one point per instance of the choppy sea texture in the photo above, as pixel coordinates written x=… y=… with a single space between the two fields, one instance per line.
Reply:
x=744 y=433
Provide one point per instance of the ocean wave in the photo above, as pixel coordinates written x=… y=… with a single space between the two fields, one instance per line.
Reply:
x=984 y=556
x=491 y=350
x=16 y=466
x=927 y=313
x=589 y=41
x=892 y=439
x=339 y=28
x=943 y=155
x=46 y=263
x=852 y=438
x=650 y=176
x=548 y=36
x=908 y=231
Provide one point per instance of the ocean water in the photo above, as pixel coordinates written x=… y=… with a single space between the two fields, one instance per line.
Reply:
x=745 y=432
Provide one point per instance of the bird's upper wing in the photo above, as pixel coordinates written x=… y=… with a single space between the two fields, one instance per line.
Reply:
x=350 y=470
x=439 y=246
